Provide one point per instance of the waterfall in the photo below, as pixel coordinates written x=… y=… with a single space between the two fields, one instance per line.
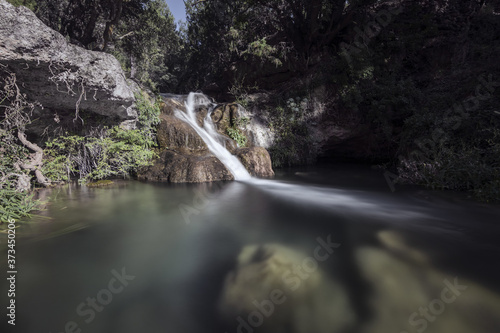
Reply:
x=210 y=136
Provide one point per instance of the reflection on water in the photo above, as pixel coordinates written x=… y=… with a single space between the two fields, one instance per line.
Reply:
x=267 y=256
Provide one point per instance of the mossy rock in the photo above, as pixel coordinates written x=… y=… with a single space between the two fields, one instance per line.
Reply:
x=168 y=106
x=100 y=183
x=225 y=116
x=226 y=119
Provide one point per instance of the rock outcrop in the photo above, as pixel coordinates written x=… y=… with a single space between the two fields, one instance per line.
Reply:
x=175 y=167
x=185 y=158
x=255 y=129
x=65 y=79
x=175 y=134
x=256 y=160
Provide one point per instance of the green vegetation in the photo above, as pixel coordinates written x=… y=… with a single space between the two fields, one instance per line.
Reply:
x=148 y=46
x=237 y=135
x=112 y=153
x=31 y=4
x=451 y=152
x=17 y=165
x=115 y=154
x=141 y=34
x=15 y=201
x=394 y=71
x=15 y=204
x=292 y=141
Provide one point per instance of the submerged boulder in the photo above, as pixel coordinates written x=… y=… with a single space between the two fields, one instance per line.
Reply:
x=262 y=284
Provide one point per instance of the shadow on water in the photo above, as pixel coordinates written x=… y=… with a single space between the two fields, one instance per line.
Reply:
x=287 y=255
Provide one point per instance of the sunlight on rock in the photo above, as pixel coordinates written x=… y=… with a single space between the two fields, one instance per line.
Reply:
x=267 y=290
x=414 y=297
x=396 y=243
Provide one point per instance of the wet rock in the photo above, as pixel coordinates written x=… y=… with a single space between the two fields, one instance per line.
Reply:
x=173 y=133
x=257 y=128
x=261 y=291
x=179 y=167
x=256 y=160
x=225 y=116
x=184 y=157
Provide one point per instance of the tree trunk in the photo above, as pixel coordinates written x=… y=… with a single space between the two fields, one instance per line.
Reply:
x=36 y=159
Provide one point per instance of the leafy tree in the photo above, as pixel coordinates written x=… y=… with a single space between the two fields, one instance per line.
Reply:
x=148 y=46
x=88 y=23
x=251 y=39
x=140 y=33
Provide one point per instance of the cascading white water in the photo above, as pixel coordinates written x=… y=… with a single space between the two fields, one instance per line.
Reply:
x=209 y=126
x=210 y=136
x=337 y=199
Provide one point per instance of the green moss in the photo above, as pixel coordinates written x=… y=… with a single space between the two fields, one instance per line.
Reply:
x=99 y=183
x=31 y=4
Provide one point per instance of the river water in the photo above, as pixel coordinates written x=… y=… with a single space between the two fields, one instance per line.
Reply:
x=319 y=249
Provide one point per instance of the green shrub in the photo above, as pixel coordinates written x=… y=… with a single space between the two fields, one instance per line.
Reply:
x=149 y=113
x=115 y=153
x=457 y=162
x=237 y=135
x=118 y=154
x=15 y=205
x=292 y=140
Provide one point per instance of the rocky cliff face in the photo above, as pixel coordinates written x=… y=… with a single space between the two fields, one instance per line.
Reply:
x=67 y=80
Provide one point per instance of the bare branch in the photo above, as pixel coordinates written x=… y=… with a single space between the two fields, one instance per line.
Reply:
x=36 y=159
x=126 y=35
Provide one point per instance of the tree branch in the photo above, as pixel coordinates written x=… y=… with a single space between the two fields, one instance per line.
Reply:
x=36 y=160
x=126 y=35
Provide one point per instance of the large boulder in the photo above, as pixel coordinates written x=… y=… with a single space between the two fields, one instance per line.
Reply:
x=184 y=157
x=262 y=284
x=60 y=76
x=256 y=160
x=178 y=167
